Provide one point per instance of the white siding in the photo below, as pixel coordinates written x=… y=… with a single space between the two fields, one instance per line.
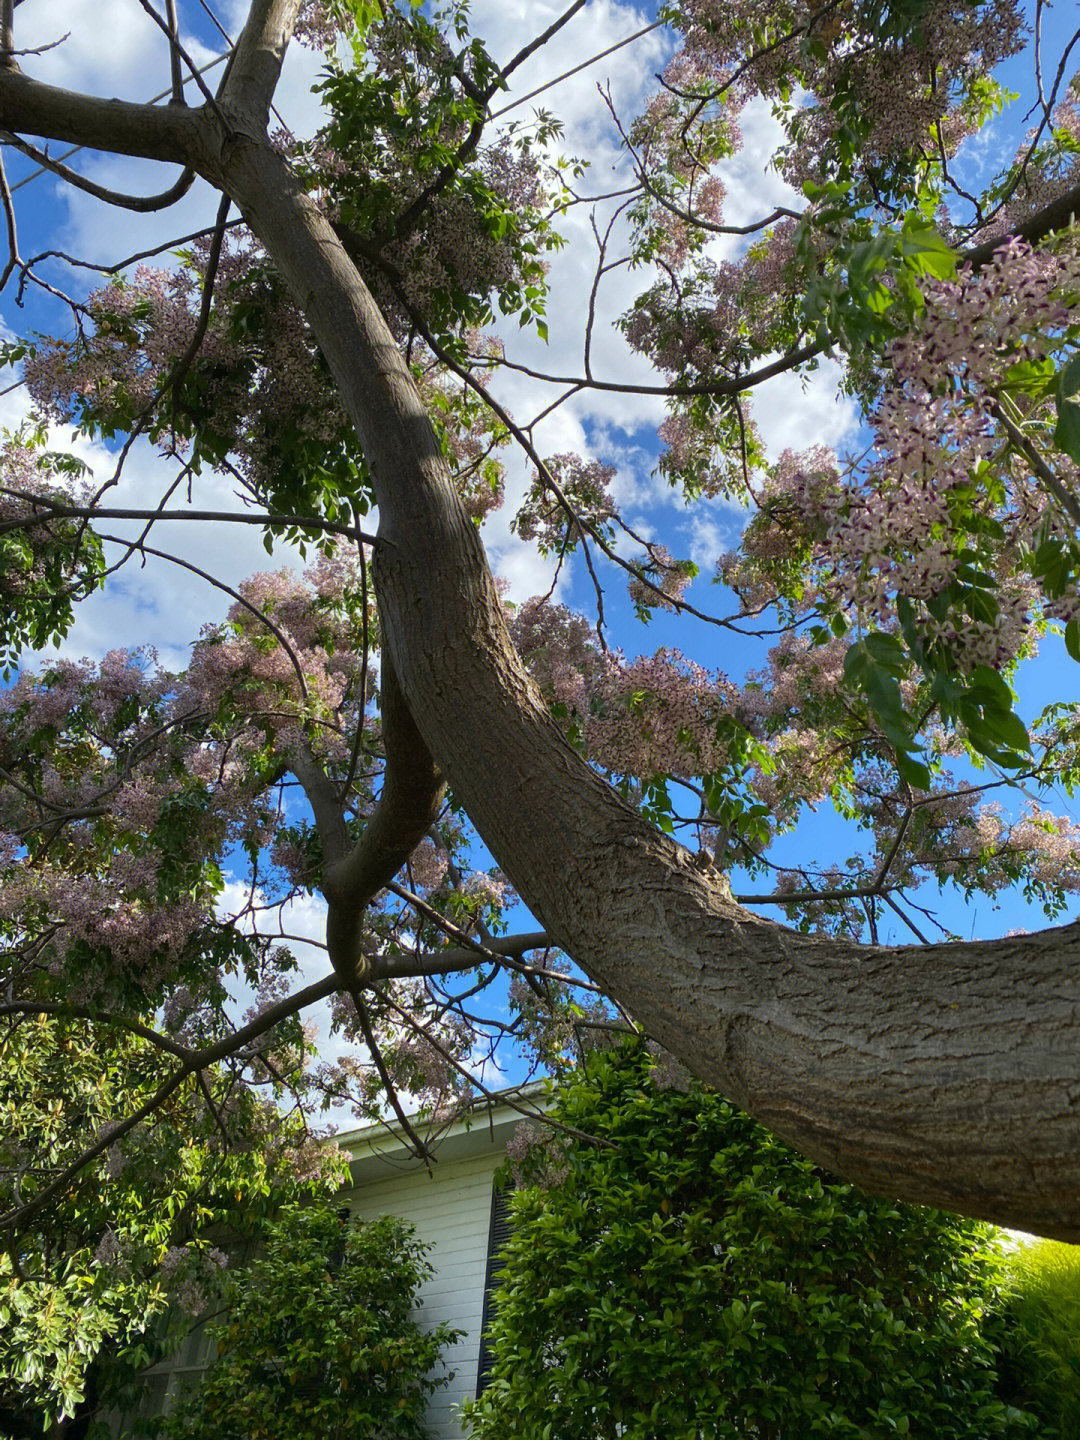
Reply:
x=451 y=1212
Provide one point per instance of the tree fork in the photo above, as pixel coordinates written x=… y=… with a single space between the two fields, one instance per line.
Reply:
x=945 y=1074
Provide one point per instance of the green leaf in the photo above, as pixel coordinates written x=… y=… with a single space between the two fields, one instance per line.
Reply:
x=925 y=250
x=915 y=772
x=1067 y=430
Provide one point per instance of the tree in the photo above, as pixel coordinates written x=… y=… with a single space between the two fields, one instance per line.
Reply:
x=334 y=358
x=696 y=1278
x=127 y=1255
x=321 y=1337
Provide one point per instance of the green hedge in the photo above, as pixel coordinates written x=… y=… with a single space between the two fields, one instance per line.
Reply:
x=692 y=1278
x=319 y=1339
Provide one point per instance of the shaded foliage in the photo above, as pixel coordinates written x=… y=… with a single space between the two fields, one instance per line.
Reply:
x=695 y=1279
x=320 y=1339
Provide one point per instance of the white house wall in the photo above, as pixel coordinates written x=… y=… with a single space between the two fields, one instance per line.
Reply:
x=451 y=1212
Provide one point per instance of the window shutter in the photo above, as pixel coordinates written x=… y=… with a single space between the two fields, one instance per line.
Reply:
x=499 y=1232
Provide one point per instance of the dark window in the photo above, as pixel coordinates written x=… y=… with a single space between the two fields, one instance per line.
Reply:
x=498 y=1234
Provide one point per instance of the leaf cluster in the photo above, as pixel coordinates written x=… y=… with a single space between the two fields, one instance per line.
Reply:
x=81 y=1284
x=696 y=1279
x=320 y=1339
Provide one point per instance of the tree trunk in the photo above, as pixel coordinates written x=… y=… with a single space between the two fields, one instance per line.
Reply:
x=945 y=1074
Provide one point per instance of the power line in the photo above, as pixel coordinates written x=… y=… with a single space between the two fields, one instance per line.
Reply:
x=656 y=24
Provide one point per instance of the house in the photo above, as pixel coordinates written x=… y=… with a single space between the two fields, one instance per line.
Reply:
x=461 y=1218
x=457 y=1214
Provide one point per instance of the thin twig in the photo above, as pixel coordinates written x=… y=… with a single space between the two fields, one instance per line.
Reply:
x=76 y=262
x=538 y=42
x=213 y=257
x=566 y=74
x=419 y=1148
x=196 y=73
x=201 y=1077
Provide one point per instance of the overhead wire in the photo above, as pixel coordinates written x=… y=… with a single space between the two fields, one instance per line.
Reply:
x=584 y=65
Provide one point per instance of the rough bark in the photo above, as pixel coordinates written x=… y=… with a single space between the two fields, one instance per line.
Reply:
x=943 y=1074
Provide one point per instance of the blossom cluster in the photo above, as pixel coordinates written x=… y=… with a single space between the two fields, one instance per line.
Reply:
x=125 y=785
x=721 y=313
x=668 y=579
x=900 y=86
x=943 y=494
x=584 y=485
x=430 y=245
x=257 y=389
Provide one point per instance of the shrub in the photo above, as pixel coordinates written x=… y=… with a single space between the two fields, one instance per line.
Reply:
x=692 y=1278
x=320 y=1339
x=1040 y=1335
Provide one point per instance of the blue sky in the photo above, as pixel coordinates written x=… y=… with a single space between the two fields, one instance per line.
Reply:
x=111 y=52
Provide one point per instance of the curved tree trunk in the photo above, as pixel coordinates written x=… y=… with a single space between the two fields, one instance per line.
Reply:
x=945 y=1074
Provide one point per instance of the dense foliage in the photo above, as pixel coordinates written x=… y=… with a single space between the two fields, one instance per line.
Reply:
x=1040 y=1335
x=126 y=1255
x=689 y=1277
x=320 y=1339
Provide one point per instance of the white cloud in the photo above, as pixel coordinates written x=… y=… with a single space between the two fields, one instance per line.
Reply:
x=300 y=925
x=115 y=49
x=753 y=187
x=153 y=601
x=112 y=47
x=796 y=411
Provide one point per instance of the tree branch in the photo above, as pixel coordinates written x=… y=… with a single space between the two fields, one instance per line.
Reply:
x=452 y=959
x=84 y=1012
x=55 y=510
x=173 y=134
x=409 y=803
x=175 y=73
x=256 y=63
x=1058 y=215
x=143 y=204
